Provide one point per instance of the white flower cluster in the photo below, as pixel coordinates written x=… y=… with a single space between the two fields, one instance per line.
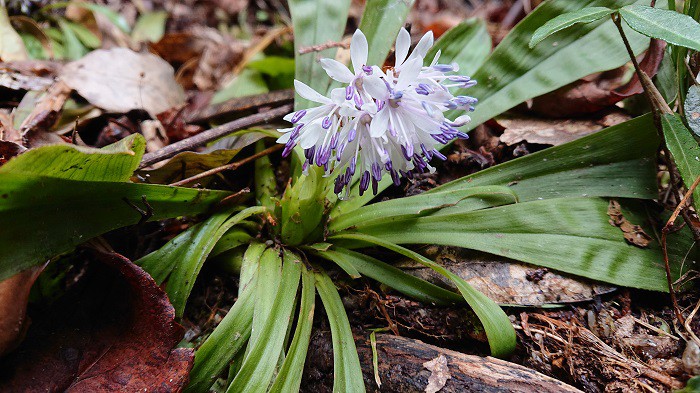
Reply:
x=384 y=121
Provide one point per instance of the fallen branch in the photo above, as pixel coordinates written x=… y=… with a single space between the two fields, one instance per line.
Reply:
x=213 y=134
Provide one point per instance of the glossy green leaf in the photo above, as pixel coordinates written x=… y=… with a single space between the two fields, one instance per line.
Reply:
x=684 y=150
x=670 y=26
x=468 y=44
x=564 y=21
x=55 y=197
x=571 y=235
x=267 y=341
x=74 y=48
x=225 y=342
x=381 y=21
x=86 y=37
x=472 y=198
x=600 y=164
x=289 y=376
x=150 y=27
x=316 y=22
x=233 y=238
x=347 y=374
x=514 y=73
x=180 y=260
x=393 y=277
x=497 y=325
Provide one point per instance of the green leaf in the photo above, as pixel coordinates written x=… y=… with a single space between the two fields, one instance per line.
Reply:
x=233 y=238
x=112 y=16
x=468 y=44
x=247 y=83
x=600 y=164
x=316 y=22
x=289 y=376
x=74 y=48
x=684 y=150
x=382 y=212
x=180 y=260
x=347 y=374
x=514 y=73
x=564 y=21
x=572 y=235
x=497 y=325
x=150 y=26
x=227 y=340
x=55 y=197
x=381 y=21
x=667 y=25
x=393 y=277
x=87 y=37
x=273 y=65
x=266 y=343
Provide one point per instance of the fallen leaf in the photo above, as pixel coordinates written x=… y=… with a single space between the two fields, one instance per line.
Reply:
x=634 y=234
x=553 y=131
x=439 y=374
x=506 y=281
x=45 y=109
x=113 y=331
x=14 y=294
x=120 y=80
x=11 y=44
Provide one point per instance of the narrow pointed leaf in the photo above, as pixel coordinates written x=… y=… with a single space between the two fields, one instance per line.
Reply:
x=684 y=149
x=564 y=21
x=347 y=374
x=497 y=325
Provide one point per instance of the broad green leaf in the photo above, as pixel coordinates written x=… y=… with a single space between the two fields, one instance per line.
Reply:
x=247 y=83
x=266 y=344
x=666 y=79
x=316 y=22
x=670 y=26
x=468 y=44
x=347 y=374
x=274 y=66
x=424 y=204
x=393 y=277
x=180 y=260
x=11 y=44
x=150 y=26
x=564 y=21
x=249 y=265
x=572 y=235
x=514 y=73
x=233 y=238
x=497 y=325
x=227 y=340
x=600 y=164
x=684 y=149
x=381 y=21
x=55 y=197
x=289 y=376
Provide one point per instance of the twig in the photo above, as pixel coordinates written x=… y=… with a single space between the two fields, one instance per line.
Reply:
x=324 y=46
x=227 y=167
x=655 y=329
x=212 y=134
x=664 y=232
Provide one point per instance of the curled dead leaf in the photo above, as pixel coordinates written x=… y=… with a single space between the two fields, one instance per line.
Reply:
x=439 y=374
x=634 y=234
x=113 y=331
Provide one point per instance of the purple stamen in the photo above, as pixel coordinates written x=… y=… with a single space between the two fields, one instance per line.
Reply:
x=352 y=134
x=326 y=122
x=367 y=69
x=443 y=67
x=439 y=155
x=349 y=91
x=297 y=116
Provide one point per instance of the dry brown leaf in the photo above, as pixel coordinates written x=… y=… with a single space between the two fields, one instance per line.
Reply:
x=120 y=80
x=634 y=234
x=14 y=294
x=506 y=281
x=439 y=374
x=113 y=331
x=553 y=131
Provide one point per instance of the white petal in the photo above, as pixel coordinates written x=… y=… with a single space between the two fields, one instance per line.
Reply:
x=288 y=116
x=375 y=87
x=358 y=50
x=436 y=58
x=409 y=72
x=379 y=123
x=310 y=136
x=424 y=45
x=403 y=42
x=337 y=70
x=338 y=95
x=310 y=94
x=284 y=138
x=462 y=120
